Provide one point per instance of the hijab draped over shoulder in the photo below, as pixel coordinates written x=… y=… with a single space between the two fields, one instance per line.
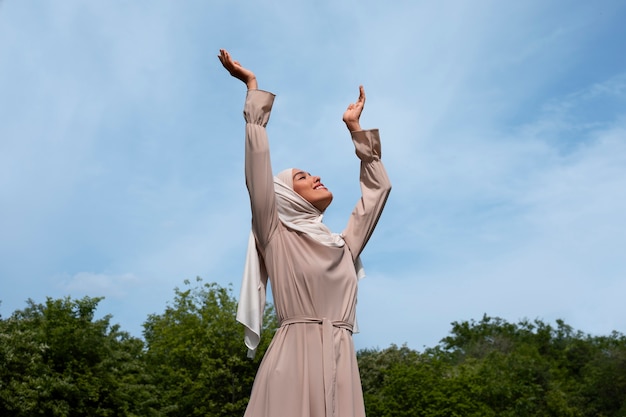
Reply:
x=295 y=213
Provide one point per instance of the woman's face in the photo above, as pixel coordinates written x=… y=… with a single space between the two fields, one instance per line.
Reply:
x=311 y=189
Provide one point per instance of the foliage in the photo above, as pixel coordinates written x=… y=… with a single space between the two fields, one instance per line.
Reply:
x=495 y=368
x=57 y=360
x=402 y=382
x=196 y=353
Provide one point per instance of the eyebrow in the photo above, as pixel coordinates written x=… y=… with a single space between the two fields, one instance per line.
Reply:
x=298 y=173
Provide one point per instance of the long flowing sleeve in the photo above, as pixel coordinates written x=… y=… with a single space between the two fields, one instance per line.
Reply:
x=375 y=188
x=259 y=181
x=258 y=167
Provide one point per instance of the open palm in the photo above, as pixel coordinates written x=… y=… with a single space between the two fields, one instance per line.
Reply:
x=353 y=113
x=235 y=69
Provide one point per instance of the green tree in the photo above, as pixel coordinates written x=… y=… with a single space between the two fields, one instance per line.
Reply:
x=401 y=382
x=534 y=369
x=196 y=354
x=57 y=360
x=492 y=367
x=603 y=391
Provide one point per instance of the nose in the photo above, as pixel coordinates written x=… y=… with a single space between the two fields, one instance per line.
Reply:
x=316 y=178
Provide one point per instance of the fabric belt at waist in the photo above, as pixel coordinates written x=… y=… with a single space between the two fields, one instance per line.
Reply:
x=328 y=354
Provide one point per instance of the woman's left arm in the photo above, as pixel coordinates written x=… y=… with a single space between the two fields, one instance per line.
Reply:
x=375 y=184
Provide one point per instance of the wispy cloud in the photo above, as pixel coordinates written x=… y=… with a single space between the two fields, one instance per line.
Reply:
x=503 y=133
x=537 y=234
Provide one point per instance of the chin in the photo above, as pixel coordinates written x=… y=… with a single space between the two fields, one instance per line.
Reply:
x=323 y=205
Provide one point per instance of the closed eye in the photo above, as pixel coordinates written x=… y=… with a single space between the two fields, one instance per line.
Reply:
x=300 y=175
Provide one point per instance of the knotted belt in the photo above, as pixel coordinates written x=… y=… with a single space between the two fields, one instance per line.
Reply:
x=328 y=354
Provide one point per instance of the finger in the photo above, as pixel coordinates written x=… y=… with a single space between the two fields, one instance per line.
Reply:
x=361 y=94
x=224 y=57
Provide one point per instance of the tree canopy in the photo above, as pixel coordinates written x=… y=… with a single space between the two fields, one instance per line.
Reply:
x=58 y=359
x=196 y=355
x=492 y=367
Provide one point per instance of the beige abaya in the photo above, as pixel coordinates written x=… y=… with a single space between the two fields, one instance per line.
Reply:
x=310 y=368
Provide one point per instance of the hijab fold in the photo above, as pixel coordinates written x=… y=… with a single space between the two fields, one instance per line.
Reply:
x=297 y=214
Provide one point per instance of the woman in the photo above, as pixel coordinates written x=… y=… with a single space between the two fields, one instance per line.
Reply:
x=310 y=368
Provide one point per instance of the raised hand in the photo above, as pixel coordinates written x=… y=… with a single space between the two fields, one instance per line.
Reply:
x=235 y=69
x=352 y=115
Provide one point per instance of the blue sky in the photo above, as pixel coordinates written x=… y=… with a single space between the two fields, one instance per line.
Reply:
x=503 y=128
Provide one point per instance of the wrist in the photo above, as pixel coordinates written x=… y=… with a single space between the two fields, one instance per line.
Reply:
x=353 y=126
x=251 y=83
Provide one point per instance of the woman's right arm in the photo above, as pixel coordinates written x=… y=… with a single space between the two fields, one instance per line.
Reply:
x=258 y=167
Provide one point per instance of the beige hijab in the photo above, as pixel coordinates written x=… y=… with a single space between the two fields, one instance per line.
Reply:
x=295 y=213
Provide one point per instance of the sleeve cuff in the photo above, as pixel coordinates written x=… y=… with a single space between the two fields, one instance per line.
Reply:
x=367 y=144
x=258 y=107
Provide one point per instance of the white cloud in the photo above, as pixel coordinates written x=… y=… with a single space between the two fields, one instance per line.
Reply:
x=99 y=285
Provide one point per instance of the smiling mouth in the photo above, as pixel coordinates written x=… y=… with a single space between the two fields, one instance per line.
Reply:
x=319 y=187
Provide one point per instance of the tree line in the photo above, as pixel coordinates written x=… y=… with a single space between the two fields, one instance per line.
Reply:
x=58 y=359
